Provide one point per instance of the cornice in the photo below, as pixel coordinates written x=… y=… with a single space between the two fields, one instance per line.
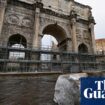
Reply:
x=44 y=10
x=82 y=5
x=53 y=13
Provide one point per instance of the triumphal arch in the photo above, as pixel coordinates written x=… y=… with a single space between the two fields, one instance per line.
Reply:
x=70 y=22
x=25 y=22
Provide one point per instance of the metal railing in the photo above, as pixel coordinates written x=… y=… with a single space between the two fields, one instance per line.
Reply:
x=59 y=61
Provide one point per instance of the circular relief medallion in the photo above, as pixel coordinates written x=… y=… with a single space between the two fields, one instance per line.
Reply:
x=27 y=22
x=12 y=19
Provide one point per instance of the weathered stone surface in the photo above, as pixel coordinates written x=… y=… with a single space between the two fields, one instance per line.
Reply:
x=67 y=89
x=21 y=17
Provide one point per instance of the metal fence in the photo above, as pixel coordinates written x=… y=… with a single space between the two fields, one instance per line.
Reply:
x=47 y=60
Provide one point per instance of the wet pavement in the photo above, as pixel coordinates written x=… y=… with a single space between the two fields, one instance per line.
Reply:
x=27 y=90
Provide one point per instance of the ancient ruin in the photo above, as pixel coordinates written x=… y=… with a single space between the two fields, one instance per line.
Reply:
x=23 y=23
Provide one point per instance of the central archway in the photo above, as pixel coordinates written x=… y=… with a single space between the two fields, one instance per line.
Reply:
x=58 y=33
x=55 y=30
x=60 y=36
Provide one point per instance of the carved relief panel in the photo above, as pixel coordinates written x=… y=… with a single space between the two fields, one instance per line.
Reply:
x=12 y=19
x=78 y=33
x=86 y=36
x=83 y=34
x=19 y=16
x=20 y=20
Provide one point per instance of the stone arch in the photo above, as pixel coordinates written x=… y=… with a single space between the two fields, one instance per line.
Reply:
x=58 y=32
x=55 y=30
x=46 y=22
x=17 y=39
x=82 y=48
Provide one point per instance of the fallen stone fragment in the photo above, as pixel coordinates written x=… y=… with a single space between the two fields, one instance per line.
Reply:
x=67 y=89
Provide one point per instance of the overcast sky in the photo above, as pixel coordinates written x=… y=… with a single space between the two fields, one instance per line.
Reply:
x=98 y=10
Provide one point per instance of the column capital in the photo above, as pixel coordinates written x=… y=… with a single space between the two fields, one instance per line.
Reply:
x=73 y=21
x=39 y=4
x=37 y=10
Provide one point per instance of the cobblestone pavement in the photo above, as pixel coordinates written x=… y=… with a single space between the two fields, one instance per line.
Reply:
x=27 y=90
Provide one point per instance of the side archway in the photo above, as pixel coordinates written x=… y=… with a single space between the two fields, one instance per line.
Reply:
x=82 y=48
x=17 y=41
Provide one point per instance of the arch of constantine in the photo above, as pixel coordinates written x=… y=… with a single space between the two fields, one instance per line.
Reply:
x=25 y=22
x=69 y=22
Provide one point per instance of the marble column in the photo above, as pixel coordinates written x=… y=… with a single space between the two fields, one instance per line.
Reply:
x=74 y=38
x=36 y=28
x=91 y=26
x=37 y=37
x=3 y=4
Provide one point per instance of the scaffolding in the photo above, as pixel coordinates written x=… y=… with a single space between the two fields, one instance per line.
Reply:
x=60 y=61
